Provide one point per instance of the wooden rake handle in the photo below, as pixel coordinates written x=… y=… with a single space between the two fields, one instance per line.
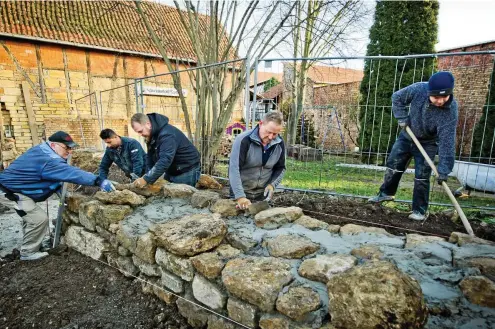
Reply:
x=457 y=207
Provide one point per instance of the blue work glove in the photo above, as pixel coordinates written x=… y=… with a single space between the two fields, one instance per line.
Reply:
x=107 y=186
x=442 y=178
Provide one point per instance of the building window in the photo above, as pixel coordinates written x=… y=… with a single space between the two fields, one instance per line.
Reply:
x=8 y=129
x=236 y=131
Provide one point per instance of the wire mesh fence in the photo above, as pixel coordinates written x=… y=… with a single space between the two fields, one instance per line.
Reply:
x=345 y=126
x=208 y=101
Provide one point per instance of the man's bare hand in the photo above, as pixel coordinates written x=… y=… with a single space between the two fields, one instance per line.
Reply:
x=139 y=183
x=243 y=203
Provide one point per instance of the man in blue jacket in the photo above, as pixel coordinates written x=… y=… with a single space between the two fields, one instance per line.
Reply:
x=170 y=153
x=125 y=152
x=433 y=119
x=34 y=177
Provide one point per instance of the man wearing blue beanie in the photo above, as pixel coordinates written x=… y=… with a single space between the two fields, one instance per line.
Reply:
x=432 y=117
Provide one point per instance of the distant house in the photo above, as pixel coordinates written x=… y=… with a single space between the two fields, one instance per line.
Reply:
x=472 y=74
x=235 y=129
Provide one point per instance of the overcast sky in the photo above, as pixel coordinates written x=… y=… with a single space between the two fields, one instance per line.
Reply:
x=460 y=23
x=463 y=22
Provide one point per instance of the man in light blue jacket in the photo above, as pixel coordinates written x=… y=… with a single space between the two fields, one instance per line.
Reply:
x=34 y=177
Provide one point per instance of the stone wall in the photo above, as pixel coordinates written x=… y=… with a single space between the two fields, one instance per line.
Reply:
x=277 y=268
x=59 y=78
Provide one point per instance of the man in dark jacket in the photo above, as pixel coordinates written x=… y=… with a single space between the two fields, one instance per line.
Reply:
x=125 y=152
x=170 y=153
x=34 y=177
x=257 y=161
x=433 y=119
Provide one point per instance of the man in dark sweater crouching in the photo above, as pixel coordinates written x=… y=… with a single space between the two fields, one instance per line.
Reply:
x=433 y=119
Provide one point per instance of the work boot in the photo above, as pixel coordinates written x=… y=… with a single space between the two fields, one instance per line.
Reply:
x=46 y=244
x=381 y=197
x=416 y=215
x=34 y=256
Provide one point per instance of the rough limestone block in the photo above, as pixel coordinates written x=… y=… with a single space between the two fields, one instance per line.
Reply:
x=179 y=266
x=87 y=243
x=298 y=302
x=190 y=235
x=146 y=248
x=242 y=312
x=196 y=316
x=146 y=268
x=208 y=293
x=172 y=282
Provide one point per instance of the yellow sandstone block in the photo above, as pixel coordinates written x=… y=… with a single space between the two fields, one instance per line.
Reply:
x=53 y=83
x=56 y=74
x=58 y=96
x=6 y=74
x=8 y=99
x=77 y=76
x=10 y=83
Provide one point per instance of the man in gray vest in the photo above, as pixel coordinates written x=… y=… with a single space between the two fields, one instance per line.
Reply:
x=257 y=161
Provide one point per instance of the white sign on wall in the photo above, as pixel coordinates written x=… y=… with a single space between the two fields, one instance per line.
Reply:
x=161 y=91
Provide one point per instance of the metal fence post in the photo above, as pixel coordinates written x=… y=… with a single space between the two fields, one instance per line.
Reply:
x=254 y=104
x=136 y=94
x=247 y=97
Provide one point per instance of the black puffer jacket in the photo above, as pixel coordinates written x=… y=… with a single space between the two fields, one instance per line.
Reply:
x=169 y=150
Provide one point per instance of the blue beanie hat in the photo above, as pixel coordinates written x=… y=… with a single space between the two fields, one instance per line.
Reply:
x=441 y=84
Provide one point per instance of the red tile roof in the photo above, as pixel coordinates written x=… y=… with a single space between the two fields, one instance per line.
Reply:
x=114 y=25
x=333 y=75
x=273 y=91
x=265 y=76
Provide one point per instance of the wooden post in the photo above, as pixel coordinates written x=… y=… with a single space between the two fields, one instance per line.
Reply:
x=30 y=113
x=457 y=207
x=1 y=138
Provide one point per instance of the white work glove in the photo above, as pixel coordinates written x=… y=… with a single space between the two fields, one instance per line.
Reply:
x=269 y=190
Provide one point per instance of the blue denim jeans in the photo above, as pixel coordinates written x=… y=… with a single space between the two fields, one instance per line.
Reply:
x=190 y=178
x=397 y=162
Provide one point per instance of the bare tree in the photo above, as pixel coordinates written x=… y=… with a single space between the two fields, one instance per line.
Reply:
x=217 y=30
x=321 y=27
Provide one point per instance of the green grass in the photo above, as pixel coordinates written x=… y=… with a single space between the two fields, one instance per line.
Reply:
x=327 y=176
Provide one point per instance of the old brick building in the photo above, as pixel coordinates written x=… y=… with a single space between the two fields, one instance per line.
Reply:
x=472 y=73
x=62 y=51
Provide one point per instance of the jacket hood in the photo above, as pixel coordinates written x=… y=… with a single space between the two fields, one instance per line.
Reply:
x=158 y=121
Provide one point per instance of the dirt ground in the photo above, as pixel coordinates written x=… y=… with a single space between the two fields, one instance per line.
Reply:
x=67 y=290
x=340 y=211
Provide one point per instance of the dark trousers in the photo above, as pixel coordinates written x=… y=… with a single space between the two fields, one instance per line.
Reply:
x=190 y=178
x=257 y=195
x=397 y=162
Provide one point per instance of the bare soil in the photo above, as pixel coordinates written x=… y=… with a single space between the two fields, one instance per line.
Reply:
x=68 y=290
x=343 y=211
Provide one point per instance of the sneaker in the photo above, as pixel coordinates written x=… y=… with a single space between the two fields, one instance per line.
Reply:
x=416 y=215
x=35 y=256
x=381 y=197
